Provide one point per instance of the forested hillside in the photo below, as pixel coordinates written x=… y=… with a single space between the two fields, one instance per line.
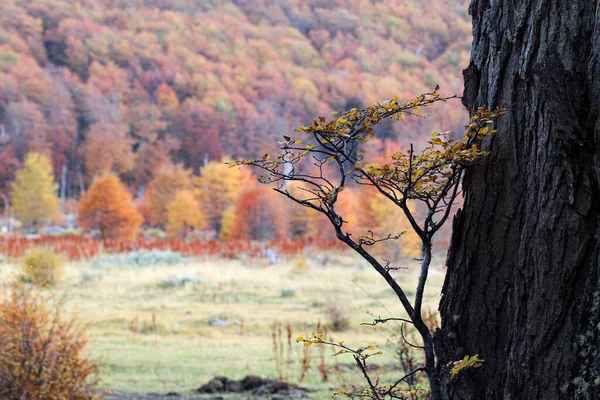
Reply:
x=128 y=86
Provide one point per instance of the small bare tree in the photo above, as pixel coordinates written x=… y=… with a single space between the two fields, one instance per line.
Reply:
x=329 y=156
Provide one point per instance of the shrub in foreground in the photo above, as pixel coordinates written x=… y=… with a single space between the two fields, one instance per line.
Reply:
x=41 y=266
x=41 y=352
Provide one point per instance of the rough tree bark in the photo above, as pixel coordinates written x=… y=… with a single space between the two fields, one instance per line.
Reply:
x=523 y=282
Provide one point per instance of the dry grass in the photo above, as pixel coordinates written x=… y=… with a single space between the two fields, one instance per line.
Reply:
x=155 y=339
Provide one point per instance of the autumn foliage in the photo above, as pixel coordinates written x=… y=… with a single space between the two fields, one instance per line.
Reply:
x=380 y=217
x=108 y=208
x=217 y=189
x=259 y=215
x=41 y=352
x=168 y=181
x=183 y=214
x=34 y=198
x=127 y=85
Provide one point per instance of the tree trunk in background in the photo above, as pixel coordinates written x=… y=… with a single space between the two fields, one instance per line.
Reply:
x=523 y=282
x=63 y=188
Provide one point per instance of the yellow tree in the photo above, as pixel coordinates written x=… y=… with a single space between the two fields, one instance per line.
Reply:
x=108 y=208
x=218 y=188
x=227 y=223
x=34 y=193
x=168 y=180
x=184 y=213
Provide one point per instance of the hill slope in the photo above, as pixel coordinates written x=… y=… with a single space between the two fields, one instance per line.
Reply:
x=130 y=85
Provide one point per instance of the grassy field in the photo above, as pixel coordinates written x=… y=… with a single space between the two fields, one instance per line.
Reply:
x=153 y=335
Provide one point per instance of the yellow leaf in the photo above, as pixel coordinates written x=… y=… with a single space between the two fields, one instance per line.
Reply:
x=307 y=344
x=298 y=141
x=299 y=339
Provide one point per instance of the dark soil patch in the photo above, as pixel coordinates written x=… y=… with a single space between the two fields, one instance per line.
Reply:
x=114 y=395
x=223 y=388
x=256 y=386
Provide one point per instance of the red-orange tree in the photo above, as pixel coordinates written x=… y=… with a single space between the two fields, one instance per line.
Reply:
x=258 y=216
x=107 y=207
x=430 y=177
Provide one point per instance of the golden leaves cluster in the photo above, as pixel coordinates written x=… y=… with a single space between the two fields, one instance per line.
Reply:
x=361 y=352
x=427 y=175
x=358 y=124
x=465 y=363
x=424 y=175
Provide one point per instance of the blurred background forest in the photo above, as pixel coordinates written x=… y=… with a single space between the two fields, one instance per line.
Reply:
x=116 y=117
x=159 y=92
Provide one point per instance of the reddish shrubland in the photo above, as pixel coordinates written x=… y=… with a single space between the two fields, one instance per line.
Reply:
x=80 y=247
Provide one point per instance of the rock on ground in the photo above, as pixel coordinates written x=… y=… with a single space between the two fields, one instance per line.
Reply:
x=223 y=388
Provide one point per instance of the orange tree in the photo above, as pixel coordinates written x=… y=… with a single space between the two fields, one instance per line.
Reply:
x=328 y=156
x=108 y=208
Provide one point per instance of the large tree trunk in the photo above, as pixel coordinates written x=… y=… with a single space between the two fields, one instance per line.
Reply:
x=523 y=282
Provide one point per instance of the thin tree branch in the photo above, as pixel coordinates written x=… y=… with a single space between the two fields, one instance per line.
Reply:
x=384 y=320
x=363 y=368
x=411 y=373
